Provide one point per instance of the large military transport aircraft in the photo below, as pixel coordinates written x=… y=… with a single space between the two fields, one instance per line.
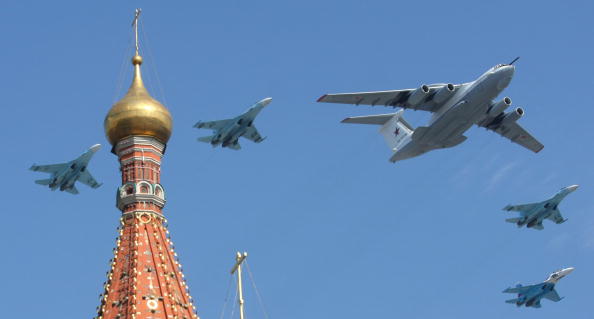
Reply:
x=227 y=132
x=455 y=109
x=530 y=296
x=66 y=174
x=532 y=215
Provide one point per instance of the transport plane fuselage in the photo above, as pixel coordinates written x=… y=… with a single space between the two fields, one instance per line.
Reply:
x=468 y=106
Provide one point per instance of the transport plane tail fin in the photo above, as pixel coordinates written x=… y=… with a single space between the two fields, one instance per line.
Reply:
x=394 y=128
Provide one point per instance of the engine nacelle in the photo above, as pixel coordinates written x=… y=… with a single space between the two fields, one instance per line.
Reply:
x=418 y=95
x=512 y=116
x=499 y=107
x=444 y=93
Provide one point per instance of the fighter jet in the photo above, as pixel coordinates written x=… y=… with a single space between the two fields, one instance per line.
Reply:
x=227 y=132
x=533 y=214
x=66 y=174
x=455 y=109
x=530 y=296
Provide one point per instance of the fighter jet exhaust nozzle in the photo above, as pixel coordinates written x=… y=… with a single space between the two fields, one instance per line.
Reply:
x=444 y=93
x=499 y=107
x=418 y=95
x=513 y=116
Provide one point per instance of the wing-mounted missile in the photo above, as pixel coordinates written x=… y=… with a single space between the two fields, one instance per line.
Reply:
x=444 y=93
x=418 y=95
x=512 y=116
x=499 y=107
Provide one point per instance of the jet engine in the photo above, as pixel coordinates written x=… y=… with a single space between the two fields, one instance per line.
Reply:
x=418 y=95
x=499 y=107
x=444 y=93
x=512 y=116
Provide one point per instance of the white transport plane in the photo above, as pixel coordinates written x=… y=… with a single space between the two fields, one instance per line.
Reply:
x=455 y=109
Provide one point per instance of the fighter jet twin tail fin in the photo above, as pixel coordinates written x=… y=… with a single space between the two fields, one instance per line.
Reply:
x=207 y=139
x=43 y=181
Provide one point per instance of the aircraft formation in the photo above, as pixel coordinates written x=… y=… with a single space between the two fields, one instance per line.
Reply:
x=455 y=108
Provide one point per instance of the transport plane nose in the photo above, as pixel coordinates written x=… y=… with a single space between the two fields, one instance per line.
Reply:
x=506 y=73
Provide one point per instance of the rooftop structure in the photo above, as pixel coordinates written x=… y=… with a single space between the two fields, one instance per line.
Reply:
x=145 y=280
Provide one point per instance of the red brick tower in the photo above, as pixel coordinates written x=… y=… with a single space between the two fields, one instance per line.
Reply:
x=145 y=279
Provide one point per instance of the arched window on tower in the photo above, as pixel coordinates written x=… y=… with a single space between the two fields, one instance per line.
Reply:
x=159 y=192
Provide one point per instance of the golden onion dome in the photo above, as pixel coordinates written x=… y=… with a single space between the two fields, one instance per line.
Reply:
x=137 y=113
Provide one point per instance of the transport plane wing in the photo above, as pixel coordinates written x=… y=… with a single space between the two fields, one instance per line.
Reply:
x=514 y=132
x=426 y=98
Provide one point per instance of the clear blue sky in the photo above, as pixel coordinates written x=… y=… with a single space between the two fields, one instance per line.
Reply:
x=333 y=229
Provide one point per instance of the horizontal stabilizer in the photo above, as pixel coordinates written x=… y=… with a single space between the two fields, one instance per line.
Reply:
x=379 y=119
x=512 y=301
x=206 y=139
x=513 y=220
x=43 y=181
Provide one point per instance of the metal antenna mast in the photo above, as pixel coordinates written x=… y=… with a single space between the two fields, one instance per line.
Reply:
x=239 y=258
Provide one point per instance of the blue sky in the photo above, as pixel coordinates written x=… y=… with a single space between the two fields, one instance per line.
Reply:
x=332 y=228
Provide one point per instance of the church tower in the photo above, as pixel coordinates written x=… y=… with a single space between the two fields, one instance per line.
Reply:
x=145 y=279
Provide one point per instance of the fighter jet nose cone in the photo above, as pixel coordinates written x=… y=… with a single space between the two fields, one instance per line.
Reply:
x=572 y=188
x=569 y=270
x=266 y=101
x=95 y=147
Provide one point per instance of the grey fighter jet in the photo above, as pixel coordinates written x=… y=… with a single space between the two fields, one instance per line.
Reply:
x=455 y=109
x=530 y=296
x=66 y=174
x=533 y=214
x=227 y=132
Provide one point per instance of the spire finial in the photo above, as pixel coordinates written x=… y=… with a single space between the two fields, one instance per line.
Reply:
x=137 y=59
x=135 y=25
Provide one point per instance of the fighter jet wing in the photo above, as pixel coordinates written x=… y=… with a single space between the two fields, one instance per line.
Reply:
x=86 y=178
x=556 y=217
x=251 y=133
x=53 y=168
x=213 y=125
x=392 y=98
x=553 y=296
x=521 y=208
x=515 y=133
